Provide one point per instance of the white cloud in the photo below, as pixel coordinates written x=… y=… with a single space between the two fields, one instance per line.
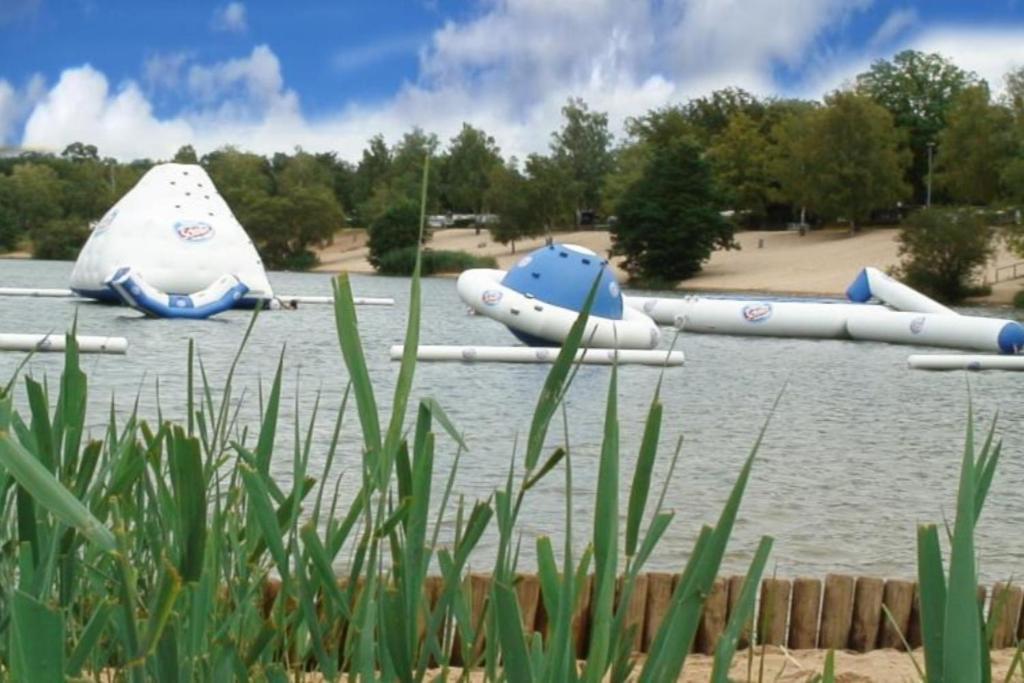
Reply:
x=164 y=70
x=355 y=57
x=895 y=24
x=508 y=70
x=8 y=110
x=230 y=18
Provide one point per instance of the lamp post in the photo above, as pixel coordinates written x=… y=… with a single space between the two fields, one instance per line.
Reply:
x=928 y=196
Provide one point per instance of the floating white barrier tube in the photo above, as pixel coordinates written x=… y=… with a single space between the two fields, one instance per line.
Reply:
x=930 y=329
x=292 y=301
x=531 y=354
x=942 y=361
x=56 y=342
x=871 y=282
x=482 y=290
x=28 y=291
x=752 y=317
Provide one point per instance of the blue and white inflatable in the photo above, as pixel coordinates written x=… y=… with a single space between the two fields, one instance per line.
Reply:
x=178 y=236
x=540 y=298
x=223 y=294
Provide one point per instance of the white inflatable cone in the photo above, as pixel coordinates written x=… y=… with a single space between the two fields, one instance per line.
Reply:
x=176 y=231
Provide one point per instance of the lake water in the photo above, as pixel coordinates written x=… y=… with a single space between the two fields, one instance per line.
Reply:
x=860 y=450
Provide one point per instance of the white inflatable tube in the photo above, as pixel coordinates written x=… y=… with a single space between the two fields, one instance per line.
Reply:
x=871 y=282
x=25 y=291
x=930 y=329
x=295 y=300
x=752 y=317
x=941 y=361
x=482 y=290
x=56 y=342
x=529 y=354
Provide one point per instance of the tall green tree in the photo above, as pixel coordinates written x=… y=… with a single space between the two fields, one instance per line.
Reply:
x=583 y=147
x=186 y=154
x=844 y=160
x=371 y=174
x=975 y=147
x=37 y=195
x=740 y=159
x=918 y=89
x=398 y=227
x=510 y=196
x=668 y=224
x=1012 y=179
x=550 y=184
x=466 y=170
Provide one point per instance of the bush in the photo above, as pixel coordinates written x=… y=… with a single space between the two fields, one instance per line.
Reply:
x=402 y=262
x=60 y=239
x=1018 y=299
x=942 y=251
x=395 y=229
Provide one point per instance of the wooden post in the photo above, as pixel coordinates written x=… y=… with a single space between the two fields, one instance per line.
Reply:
x=635 y=609
x=914 y=627
x=712 y=621
x=581 y=617
x=1004 y=611
x=528 y=596
x=898 y=598
x=803 y=619
x=836 y=612
x=867 y=613
x=771 y=622
x=735 y=588
x=659 y=596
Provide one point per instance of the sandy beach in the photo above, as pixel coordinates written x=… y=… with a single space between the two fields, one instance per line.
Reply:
x=822 y=262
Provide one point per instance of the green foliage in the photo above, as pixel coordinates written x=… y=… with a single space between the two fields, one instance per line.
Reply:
x=396 y=229
x=942 y=251
x=186 y=154
x=974 y=148
x=1018 y=299
x=59 y=239
x=740 y=159
x=843 y=160
x=711 y=115
x=552 y=192
x=403 y=261
x=514 y=199
x=583 y=148
x=667 y=221
x=918 y=90
x=952 y=629
x=466 y=170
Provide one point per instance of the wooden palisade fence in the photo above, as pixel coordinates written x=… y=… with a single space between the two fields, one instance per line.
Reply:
x=842 y=612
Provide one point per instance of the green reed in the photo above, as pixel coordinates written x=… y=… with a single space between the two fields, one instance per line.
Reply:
x=147 y=550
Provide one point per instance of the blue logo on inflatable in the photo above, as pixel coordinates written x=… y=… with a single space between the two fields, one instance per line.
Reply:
x=491 y=297
x=105 y=222
x=757 y=313
x=193 y=231
x=916 y=325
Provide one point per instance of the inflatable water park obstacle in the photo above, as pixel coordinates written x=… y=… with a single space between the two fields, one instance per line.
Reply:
x=172 y=248
x=539 y=299
x=879 y=309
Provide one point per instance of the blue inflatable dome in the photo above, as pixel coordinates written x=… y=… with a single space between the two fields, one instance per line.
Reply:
x=562 y=275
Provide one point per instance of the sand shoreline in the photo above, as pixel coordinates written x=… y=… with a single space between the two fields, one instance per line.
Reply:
x=821 y=263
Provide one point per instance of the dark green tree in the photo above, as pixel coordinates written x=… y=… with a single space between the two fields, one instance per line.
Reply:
x=186 y=154
x=398 y=227
x=942 y=250
x=918 y=89
x=667 y=221
x=59 y=239
x=551 y=190
x=709 y=116
x=371 y=174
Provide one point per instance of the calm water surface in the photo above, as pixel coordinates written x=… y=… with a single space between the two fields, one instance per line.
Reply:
x=859 y=451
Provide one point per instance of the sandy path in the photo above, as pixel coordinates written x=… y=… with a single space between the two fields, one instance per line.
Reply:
x=820 y=262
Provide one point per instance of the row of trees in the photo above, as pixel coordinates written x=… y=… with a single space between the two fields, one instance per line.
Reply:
x=909 y=129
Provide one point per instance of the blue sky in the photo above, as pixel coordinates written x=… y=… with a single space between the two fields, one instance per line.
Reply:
x=142 y=78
